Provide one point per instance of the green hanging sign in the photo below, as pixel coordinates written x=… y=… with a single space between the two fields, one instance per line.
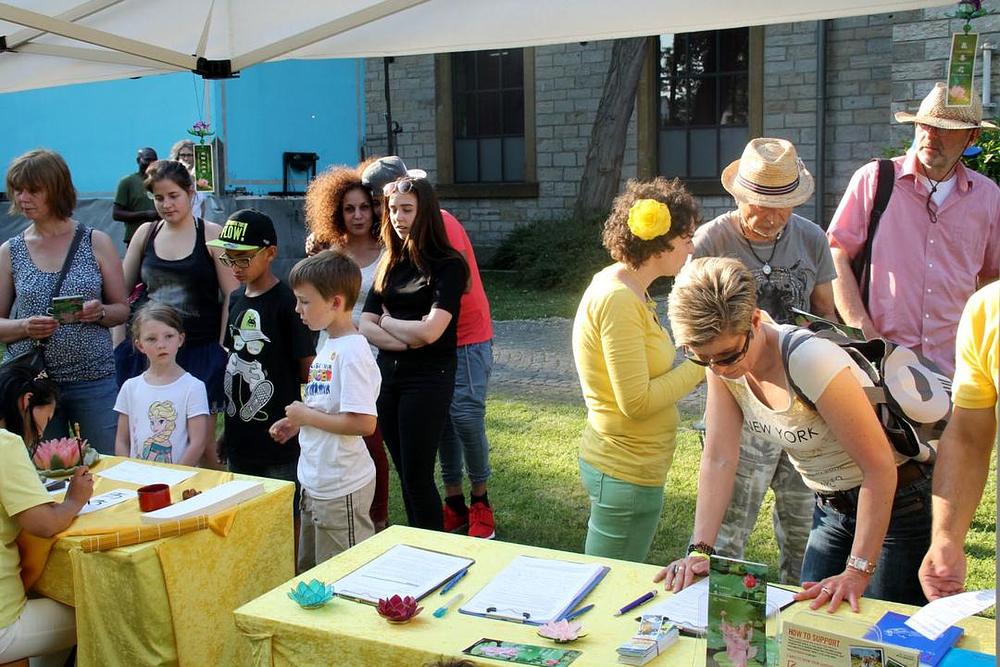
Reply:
x=204 y=168
x=961 y=67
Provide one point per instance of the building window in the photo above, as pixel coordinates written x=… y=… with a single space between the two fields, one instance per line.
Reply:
x=488 y=116
x=703 y=102
x=486 y=123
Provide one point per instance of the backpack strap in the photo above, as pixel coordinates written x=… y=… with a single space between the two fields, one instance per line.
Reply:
x=861 y=265
x=793 y=338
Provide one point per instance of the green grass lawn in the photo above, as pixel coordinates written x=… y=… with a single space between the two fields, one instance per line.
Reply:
x=538 y=499
x=511 y=302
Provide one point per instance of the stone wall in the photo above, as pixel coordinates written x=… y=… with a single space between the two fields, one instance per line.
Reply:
x=875 y=65
x=568 y=83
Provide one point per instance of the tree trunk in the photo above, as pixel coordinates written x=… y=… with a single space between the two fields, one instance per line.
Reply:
x=603 y=168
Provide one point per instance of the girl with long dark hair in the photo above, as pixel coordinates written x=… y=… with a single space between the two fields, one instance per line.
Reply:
x=411 y=315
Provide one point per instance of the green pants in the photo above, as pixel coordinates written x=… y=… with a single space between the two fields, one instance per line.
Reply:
x=623 y=516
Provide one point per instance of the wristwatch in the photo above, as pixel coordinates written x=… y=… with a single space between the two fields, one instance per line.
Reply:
x=861 y=565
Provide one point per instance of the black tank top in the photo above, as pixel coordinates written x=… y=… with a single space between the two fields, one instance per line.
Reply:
x=190 y=285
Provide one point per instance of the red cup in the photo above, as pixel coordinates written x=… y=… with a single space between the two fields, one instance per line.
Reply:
x=154 y=497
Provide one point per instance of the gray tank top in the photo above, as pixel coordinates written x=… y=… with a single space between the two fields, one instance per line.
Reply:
x=76 y=352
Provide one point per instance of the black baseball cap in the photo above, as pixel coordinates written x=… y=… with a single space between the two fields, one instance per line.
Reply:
x=246 y=229
x=385 y=170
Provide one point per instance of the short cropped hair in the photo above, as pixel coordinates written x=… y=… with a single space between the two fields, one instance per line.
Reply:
x=629 y=249
x=42 y=170
x=332 y=273
x=711 y=297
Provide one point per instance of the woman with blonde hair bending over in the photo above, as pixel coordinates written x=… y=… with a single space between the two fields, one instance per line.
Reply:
x=625 y=360
x=871 y=524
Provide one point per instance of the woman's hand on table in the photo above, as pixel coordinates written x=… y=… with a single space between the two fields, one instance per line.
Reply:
x=282 y=430
x=849 y=585
x=40 y=327
x=81 y=486
x=682 y=572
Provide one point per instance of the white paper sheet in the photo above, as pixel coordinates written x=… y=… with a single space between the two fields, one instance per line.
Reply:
x=402 y=570
x=143 y=474
x=689 y=608
x=539 y=587
x=213 y=500
x=936 y=617
x=106 y=500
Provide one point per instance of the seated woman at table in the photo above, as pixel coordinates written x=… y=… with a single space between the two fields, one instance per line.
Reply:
x=625 y=360
x=39 y=626
x=871 y=520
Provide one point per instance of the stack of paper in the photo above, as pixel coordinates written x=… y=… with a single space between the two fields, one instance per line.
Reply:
x=401 y=570
x=689 y=608
x=211 y=501
x=655 y=636
x=535 y=590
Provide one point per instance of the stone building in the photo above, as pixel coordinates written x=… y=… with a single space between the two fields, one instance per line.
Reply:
x=504 y=134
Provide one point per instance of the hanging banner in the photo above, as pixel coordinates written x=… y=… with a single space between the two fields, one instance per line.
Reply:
x=204 y=168
x=961 y=66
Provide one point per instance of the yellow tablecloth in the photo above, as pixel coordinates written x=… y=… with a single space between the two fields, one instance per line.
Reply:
x=350 y=633
x=169 y=601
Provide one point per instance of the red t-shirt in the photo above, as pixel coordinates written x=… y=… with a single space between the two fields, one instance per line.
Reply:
x=474 y=322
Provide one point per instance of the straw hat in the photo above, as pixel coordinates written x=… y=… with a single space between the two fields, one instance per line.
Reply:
x=933 y=112
x=770 y=173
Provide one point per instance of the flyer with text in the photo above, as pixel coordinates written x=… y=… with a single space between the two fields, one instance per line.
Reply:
x=806 y=646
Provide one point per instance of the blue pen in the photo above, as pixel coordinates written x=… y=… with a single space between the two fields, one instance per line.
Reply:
x=579 y=612
x=454 y=580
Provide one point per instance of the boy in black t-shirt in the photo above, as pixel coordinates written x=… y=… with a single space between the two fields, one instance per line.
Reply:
x=270 y=351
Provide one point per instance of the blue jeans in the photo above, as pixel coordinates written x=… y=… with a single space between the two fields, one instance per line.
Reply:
x=465 y=433
x=92 y=406
x=906 y=542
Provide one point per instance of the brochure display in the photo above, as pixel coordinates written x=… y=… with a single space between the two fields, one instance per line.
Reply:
x=737 y=613
x=806 y=640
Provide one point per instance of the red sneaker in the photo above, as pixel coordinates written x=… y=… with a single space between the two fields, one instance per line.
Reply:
x=453 y=521
x=481 y=523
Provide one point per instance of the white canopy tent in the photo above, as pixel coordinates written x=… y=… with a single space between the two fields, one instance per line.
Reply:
x=47 y=43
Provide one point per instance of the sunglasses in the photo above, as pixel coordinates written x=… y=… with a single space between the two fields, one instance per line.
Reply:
x=402 y=186
x=727 y=361
x=238 y=262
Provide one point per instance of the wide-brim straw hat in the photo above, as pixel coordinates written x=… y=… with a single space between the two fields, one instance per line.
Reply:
x=933 y=112
x=769 y=173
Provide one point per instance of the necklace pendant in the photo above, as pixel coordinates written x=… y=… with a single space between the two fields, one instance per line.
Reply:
x=766 y=269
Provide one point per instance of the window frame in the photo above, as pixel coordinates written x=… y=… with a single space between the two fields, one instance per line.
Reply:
x=647 y=104
x=445 y=138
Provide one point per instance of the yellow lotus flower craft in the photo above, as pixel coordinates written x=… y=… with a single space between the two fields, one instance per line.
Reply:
x=648 y=219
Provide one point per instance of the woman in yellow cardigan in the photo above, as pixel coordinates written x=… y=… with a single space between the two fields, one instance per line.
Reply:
x=625 y=360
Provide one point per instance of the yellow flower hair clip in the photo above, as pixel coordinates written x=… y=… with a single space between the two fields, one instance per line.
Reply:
x=648 y=219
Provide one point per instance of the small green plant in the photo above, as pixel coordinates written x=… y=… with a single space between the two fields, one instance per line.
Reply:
x=547 y=255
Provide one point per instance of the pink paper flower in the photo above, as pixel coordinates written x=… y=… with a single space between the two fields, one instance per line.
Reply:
x=561 y=631
x=58 y=454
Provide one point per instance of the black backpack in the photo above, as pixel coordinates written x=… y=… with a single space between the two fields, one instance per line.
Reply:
x=913 y=422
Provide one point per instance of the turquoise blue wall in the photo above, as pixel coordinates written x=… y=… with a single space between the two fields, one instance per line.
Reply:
x=313 y=106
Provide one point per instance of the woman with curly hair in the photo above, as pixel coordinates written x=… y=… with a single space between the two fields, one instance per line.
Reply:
x=625 y=360
x=340 y=215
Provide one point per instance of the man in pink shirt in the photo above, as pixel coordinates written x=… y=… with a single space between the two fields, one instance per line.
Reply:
x=937 y=241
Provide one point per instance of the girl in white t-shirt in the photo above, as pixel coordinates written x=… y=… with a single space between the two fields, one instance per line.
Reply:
x=163 y=413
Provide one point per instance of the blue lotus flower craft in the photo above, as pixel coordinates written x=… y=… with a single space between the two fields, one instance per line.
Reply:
x=313 y=595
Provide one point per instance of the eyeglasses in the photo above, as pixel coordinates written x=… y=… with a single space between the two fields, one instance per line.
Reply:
x=238 y=262
x=181 y=156
x=402 y=186
x=728 y=361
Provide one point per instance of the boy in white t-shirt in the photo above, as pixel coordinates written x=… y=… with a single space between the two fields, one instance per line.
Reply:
x=335 y=470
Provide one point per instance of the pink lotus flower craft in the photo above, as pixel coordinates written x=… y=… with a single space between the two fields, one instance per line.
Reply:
x=58 y=454
x=397 y=609
x=562 y=631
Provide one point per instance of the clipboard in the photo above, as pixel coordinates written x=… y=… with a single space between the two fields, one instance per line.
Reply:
x=401 y=570
x=520 y=592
